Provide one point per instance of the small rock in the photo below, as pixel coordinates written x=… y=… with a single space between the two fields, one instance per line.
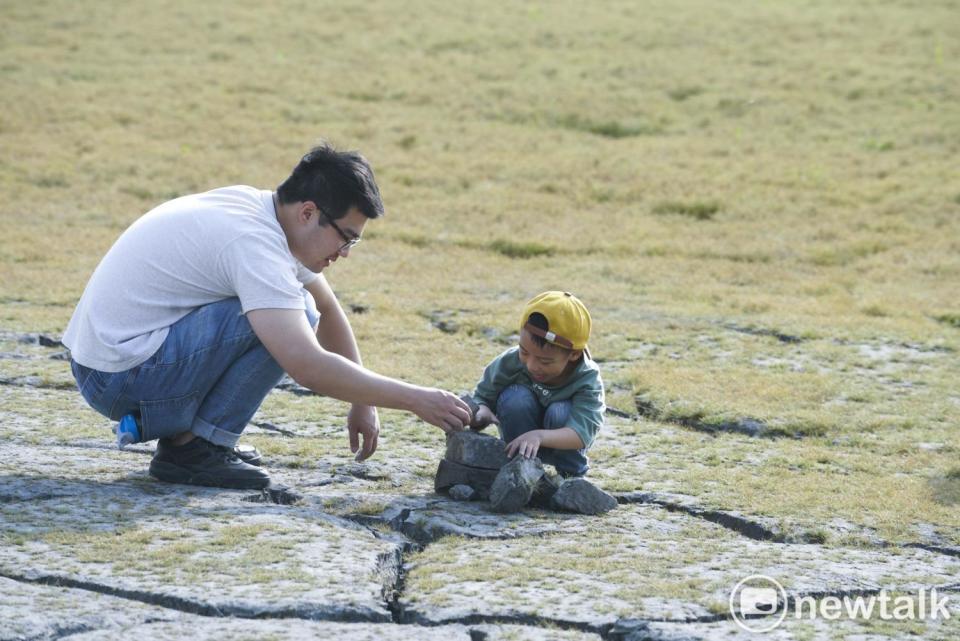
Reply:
x=337 y=478
x=547 y=486
x=462 y=493
x=443 y=320
x=750 y=426
x=515 y=484
x=275 y=493
x=583 y=497
x=364 y=471
x=49 y=341
x=476 y=450
x=287 y=384
x=450 y=474
x=628 y=629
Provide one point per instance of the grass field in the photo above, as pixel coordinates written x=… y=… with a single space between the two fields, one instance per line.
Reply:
x=759 y=202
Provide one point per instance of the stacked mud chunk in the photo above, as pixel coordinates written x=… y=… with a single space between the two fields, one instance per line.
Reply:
x=476 y=467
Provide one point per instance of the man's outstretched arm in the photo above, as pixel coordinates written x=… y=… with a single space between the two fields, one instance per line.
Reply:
x=291 y=341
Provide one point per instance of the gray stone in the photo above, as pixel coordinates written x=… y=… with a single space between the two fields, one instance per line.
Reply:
x=275 y=493
x=462 y=493
x=426 y=521
x=547 y=486
x=581 y=496
x=515 y=484
x=476 y=450
x=450 y=474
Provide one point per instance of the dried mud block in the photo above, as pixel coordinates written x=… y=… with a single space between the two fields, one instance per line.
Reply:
x=515 y=484
x=476 y=450
x=450 y=474
x=583 y=497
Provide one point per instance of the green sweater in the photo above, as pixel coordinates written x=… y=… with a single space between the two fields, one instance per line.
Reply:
x=583 y=388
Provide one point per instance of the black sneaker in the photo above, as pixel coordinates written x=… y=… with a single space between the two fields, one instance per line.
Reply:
x=200 y=462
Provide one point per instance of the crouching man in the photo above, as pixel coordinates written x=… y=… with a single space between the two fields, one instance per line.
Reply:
x=203 y=303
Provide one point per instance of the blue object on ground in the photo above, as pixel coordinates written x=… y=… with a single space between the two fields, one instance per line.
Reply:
x=127 y=431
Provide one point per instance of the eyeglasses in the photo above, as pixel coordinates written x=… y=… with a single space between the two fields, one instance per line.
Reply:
x=348 y=241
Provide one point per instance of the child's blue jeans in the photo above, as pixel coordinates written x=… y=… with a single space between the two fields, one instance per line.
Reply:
x=519 y=412
x=209 y=377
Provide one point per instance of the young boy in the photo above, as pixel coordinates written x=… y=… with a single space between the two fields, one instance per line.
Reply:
x=546 y=395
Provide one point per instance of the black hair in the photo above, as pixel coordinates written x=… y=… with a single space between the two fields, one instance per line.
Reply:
x=335 y=181
x=540 y=321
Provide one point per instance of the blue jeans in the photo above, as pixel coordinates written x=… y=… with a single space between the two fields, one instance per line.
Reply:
x=208 y=377
x=519 y=412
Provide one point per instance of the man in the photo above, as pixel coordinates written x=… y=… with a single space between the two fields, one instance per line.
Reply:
x=198 y=309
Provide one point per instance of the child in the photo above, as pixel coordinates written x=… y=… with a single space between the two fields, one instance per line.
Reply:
x=546 y=392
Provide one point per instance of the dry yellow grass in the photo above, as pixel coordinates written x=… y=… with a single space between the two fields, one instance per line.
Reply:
x=684 y=167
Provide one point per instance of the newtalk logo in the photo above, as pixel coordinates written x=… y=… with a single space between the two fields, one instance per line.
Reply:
x=759 y=604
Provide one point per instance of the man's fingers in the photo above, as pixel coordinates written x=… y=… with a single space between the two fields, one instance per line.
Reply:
x=371 y=438
x=462 y=411
x=462 y=414
x=364 y=453
x=354 y=439
x=370 y=444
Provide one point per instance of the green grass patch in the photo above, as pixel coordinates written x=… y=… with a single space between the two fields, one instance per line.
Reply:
x=514 y=249
x=953 y=320
x=608 y=128
x=698 y=210
x=683 y=93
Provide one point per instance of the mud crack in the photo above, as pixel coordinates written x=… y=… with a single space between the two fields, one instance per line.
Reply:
x=341 y=614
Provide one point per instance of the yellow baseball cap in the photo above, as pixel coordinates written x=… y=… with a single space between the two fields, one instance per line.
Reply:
x=568 y=321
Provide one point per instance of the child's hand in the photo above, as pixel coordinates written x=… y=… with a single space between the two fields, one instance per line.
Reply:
x=484 y=416
x=527 y=444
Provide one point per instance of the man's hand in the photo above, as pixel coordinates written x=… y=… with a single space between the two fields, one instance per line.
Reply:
x=526 y=445
x=441 y=408
x=484 y=417
x=363 y=420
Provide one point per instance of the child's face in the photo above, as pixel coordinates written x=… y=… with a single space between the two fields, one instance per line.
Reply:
x=548 y=364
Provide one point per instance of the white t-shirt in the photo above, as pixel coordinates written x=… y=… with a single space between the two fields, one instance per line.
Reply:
x=186 y=253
